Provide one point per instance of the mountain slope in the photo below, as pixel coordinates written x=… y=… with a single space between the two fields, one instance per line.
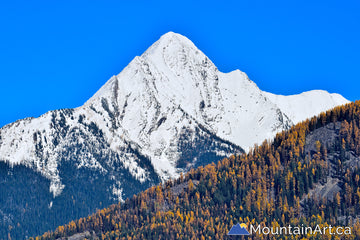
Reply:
x=168 y=111
x=307 y=176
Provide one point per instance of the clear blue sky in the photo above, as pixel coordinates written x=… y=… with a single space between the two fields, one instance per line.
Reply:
x=57 y=54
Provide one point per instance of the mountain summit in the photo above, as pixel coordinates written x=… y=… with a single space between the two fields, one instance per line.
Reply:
x=169 y=110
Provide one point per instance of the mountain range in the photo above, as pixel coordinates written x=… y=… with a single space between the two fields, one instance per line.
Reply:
x=168 y=111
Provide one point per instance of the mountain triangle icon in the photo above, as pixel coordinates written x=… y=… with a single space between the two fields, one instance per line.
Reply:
x=238 y=230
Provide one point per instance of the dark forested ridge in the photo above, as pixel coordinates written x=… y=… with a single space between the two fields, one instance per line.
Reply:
x=308 y=175
x=27 y=206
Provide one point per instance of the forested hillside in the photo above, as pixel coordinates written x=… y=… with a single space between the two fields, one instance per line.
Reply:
x=306 y=176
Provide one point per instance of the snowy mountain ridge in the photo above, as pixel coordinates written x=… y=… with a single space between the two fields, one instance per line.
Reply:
x=307 y=104
x=169 y=110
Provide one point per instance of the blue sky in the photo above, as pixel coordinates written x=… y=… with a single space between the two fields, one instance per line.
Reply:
x=57 y=54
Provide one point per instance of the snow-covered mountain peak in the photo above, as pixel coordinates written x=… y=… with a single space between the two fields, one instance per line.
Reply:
x=167 y=111
x=173 y=73
x=170 y=41
x=176 y=55
x=171 y=64
x=174 y=68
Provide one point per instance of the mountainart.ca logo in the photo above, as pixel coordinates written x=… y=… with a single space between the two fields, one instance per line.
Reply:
x=240 y=230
